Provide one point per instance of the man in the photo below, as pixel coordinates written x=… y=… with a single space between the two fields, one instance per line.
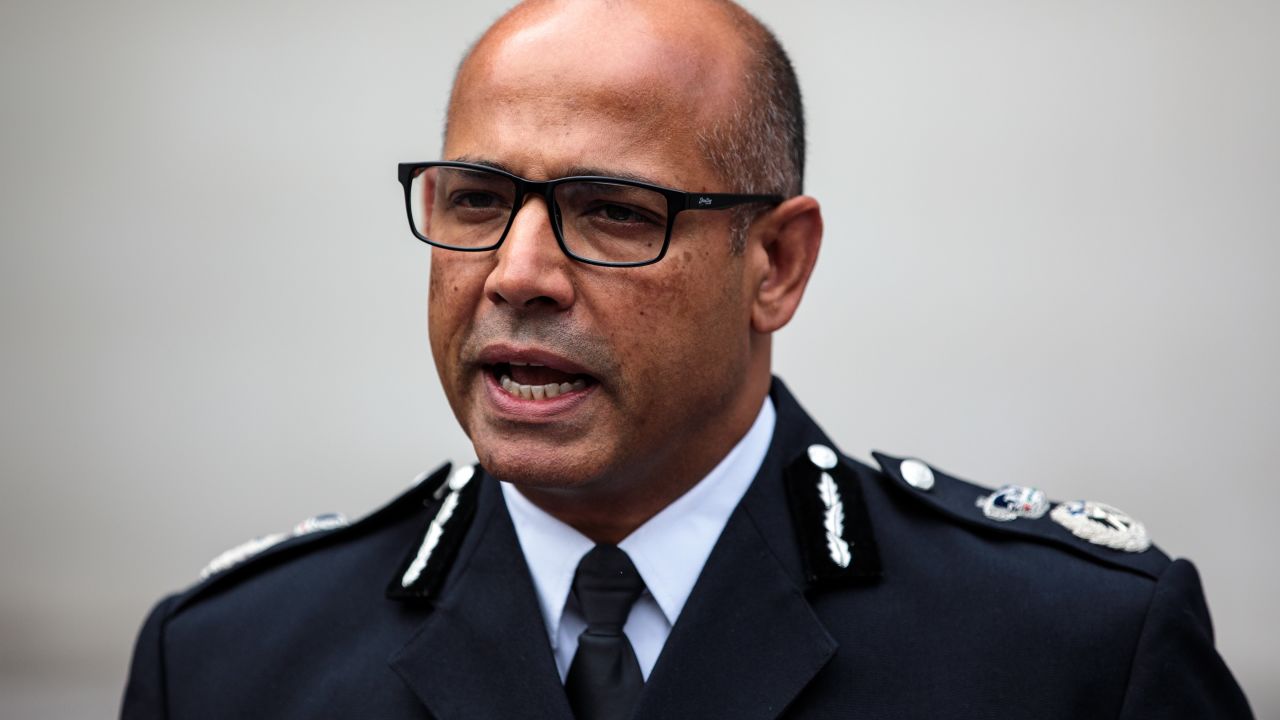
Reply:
x=655 y=528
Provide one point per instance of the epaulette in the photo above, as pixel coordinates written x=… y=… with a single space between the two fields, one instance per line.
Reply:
x=313 y=533
x=1092 y=529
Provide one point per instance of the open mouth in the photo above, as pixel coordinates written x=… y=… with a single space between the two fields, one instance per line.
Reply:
x=531 y=381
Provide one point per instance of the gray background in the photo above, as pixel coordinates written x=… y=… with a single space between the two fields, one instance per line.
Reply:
x=1051 y=259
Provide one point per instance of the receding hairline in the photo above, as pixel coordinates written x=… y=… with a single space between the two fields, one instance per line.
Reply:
x=747 y=27
x=747 y=30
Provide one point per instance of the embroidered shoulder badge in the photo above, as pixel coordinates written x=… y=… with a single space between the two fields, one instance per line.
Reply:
x=825 y=459
x=831 y=522
x=423 y=571
x=246 y=550
x=1011 y=502
x=1102 y=524
x=457 y=482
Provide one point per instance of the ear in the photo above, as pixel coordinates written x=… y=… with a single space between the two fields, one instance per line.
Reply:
x=783 y=255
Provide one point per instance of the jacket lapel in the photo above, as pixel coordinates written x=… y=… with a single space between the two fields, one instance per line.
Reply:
x=748 y=642
x=483 y=650
x=745 y=646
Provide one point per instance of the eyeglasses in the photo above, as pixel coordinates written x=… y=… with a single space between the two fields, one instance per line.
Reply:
x=597 y=220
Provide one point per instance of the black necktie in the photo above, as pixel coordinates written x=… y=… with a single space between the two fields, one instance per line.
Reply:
x=604 y=678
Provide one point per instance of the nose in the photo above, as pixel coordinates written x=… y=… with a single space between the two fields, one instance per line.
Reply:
x=531 y=271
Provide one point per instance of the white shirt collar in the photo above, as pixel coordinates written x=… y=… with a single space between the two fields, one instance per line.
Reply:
x=669 y=550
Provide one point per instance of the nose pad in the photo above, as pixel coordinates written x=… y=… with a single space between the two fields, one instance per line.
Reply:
x=531 y=269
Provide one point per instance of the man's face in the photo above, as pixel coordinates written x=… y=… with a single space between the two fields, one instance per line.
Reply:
x=654 y=355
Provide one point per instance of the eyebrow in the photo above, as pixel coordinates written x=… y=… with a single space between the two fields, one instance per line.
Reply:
x=575 y=171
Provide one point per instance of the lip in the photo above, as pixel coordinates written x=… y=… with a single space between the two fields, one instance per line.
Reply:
x=515 y=408
x=503 y=353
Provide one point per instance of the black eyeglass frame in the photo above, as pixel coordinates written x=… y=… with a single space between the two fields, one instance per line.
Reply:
x=677 y=200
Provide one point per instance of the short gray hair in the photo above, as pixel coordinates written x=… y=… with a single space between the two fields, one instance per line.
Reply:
x=758 y=147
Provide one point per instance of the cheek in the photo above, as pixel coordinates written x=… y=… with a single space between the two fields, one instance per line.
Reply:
x=451 y=297
x=437 y=299
x=684 y=324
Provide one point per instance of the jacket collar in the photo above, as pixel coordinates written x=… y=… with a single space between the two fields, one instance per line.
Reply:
x=745 y=645
x=482 y=650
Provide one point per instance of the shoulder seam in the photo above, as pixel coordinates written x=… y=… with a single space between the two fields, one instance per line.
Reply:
x=166 y=614
x=1137 y=647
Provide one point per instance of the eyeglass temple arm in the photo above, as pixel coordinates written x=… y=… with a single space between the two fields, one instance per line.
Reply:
x=719 y=201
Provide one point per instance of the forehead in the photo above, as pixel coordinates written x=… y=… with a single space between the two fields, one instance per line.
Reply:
x=592 y=84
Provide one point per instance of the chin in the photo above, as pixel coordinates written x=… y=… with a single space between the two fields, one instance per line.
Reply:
x=542 y=465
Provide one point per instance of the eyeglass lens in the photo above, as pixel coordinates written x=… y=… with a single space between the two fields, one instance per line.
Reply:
x=607 y=222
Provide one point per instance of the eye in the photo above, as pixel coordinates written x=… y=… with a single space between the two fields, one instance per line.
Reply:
x=620 y=214
x=475 y=199
x=595 y=209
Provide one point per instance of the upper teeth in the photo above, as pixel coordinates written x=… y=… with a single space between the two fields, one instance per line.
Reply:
x=538 y=392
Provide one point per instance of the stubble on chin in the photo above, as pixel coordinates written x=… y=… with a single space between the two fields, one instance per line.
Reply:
x=544 y=463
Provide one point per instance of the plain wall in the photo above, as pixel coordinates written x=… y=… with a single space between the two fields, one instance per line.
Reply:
x=1051 y=259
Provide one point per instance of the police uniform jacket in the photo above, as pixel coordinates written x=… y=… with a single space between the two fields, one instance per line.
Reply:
x=836 y=590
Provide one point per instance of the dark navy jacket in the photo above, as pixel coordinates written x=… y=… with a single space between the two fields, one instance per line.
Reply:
x=942 y=613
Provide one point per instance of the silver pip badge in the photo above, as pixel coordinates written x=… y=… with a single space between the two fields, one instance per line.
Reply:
x=1012 y=502
x=1102 y=524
